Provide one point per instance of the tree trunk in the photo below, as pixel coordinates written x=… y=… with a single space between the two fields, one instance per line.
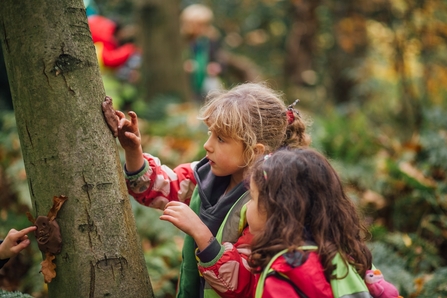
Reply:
x=299 y=68
x=162 y=69
x=68 y=149
x=349 y=49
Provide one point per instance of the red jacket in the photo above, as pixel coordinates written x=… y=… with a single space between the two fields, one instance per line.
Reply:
x=307 y=277
x=231 y=276
x=156 y=184
x=103 y=31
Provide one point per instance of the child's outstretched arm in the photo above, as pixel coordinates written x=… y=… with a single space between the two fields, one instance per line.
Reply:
x=148 y=181
x=130 y=139
x=228 y=272
x=184 y=218
x=15 y=242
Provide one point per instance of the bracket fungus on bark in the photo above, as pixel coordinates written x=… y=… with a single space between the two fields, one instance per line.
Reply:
x=48 y=236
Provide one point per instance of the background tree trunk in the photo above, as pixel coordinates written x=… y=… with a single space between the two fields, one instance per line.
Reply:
x=162 y=69
x=300 y=43
x=348 y=50
x=68 y=150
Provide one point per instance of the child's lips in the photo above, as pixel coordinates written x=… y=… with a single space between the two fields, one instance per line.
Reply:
x=210 y=161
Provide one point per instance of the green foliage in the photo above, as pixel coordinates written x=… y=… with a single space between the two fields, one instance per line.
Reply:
x=420 y=255
x=433 y=141
x=389 y=138
x=163 y=263
x=123 y=94
x=156 y=110
x=162 y=244
x=10 y=145
x=345 y=136
x=149 y=225
x=12 y=172
x=436 y=285
x=410 y=228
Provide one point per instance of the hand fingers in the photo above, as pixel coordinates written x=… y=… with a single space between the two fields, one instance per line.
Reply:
x=170 y=219
x=120 y=114
x=168 y=215
x=23 y=244
x=174 y=203
x=123 y=122
x=132 y=137
x=21 y=235
x=25 y=231
x=29 y=229
x=133 y=118
x=171 y=210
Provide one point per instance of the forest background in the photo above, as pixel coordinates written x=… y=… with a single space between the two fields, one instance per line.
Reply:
x=372 y=77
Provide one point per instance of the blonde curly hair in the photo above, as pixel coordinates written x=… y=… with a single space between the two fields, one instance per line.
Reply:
x=254 y=113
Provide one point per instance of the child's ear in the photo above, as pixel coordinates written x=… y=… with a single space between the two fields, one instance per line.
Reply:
x=259 y=149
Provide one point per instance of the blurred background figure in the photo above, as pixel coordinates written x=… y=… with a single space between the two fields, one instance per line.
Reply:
x=90 y=7
x=202 y=56
x=115 y=47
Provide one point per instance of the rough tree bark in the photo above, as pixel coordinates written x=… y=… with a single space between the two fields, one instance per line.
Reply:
x=68 y=149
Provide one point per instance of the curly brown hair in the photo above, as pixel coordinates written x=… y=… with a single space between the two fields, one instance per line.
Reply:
x=254 y=113
x=303 y=198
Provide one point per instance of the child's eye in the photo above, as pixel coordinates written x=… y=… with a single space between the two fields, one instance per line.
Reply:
x=220 y=139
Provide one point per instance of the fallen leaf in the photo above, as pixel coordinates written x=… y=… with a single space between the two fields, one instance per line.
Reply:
x=370 y=197
x=48 y=268
x=30 y=217
x=57 y=204
x=416 y=174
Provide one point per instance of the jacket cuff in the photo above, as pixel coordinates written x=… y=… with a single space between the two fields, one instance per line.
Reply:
x=137 y=174
x=210 y=254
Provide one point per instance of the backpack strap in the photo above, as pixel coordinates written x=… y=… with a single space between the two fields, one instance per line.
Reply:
x=268 y=270
x=229 y=231
x=347 y=282
x=234 y=222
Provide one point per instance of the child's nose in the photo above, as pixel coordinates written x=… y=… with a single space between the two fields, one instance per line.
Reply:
x=207 y=146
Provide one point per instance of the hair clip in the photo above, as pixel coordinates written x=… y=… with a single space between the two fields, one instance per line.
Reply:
x=265 y=158
x=290 y=110
x=293 y=104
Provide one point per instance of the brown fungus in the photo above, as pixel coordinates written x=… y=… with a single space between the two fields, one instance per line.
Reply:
x=48 y=236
